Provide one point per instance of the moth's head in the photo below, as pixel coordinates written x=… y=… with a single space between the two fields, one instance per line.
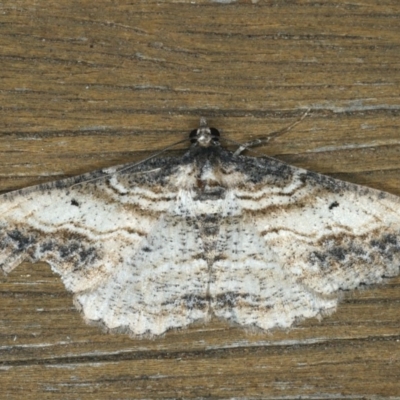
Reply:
x=204 y=136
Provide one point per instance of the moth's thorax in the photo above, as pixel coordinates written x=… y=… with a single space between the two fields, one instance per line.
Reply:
x=209 y=182
x=208 y=173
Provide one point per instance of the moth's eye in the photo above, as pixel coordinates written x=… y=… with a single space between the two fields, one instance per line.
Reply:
x=192 y=136
x=215 y=133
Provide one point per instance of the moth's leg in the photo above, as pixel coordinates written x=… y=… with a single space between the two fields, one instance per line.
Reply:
x=269 y=137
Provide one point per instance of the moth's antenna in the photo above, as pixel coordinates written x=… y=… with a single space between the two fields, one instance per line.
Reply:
x=267 y=138
x=133 y=165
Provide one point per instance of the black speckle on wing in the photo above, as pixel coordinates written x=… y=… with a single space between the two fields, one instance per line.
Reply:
x=74 y=203
x=262 y=169
x=387 y=245
x=350 y=251
x=193 y=302
x=333 y=205
x=73 y=251
x=19 y=240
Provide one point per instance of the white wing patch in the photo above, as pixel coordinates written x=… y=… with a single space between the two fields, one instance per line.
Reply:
x=164 y=243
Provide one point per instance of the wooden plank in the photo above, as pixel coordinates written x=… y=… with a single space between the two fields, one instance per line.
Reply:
x=91 y=84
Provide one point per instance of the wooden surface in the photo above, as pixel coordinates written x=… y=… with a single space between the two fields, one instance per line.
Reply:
x=87 y=84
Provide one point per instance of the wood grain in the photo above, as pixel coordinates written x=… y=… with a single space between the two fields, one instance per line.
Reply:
x=90 y=84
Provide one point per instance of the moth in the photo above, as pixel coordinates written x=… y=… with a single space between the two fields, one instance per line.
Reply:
x=160 y=244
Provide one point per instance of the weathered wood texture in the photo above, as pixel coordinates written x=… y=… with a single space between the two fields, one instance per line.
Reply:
x=88 y=84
